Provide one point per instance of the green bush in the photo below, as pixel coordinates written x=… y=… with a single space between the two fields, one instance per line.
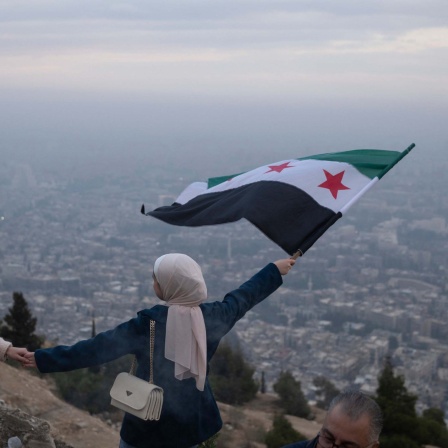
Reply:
x=231 y=378
x=290 y=392
x=282 y=433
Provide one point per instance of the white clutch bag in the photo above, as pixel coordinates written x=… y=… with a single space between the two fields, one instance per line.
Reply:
x=136 y=396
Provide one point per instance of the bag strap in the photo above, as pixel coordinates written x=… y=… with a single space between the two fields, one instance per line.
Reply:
x=152 y=335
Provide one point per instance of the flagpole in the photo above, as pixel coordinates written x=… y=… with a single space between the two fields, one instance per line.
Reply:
x=358 y=195
x=375 y=179
x=297 y=254
x=364 y=190
x=404 y=153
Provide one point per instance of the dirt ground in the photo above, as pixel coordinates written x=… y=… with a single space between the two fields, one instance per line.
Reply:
x=20 y=389
x=245 y=427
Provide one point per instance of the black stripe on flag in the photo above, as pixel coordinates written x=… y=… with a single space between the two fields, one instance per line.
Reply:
x=287 y=215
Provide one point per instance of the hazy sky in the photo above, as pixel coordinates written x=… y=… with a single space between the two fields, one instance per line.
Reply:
x=297 y=75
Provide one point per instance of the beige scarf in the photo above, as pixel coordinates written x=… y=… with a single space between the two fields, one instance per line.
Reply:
x=183 y=288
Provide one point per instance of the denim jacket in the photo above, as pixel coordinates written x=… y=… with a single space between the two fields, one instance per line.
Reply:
x=303 y=444
x=189 y=416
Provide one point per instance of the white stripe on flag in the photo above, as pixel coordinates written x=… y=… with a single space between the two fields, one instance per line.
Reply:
x=306 y=175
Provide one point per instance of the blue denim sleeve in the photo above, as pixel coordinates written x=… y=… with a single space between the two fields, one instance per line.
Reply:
x=220 y=317
x=104 y=347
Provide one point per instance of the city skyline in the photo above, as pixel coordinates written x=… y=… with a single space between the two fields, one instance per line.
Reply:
x=108 y=105
x=77 y=246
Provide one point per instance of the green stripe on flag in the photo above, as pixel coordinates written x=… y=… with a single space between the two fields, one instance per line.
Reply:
x=370 y=162
x=402 y=154
x=213 y=181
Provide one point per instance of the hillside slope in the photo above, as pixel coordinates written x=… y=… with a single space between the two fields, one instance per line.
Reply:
x=20 y=389
x=243 y=426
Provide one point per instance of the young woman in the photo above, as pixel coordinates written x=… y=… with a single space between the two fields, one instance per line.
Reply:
x=187 y=334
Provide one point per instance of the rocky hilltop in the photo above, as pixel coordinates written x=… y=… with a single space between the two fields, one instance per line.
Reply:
x=28 y=404
x=30 y=410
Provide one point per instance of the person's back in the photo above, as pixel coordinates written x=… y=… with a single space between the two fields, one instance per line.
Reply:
x=187 y=334
x=192 y=414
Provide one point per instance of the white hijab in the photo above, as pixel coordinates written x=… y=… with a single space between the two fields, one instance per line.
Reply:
x=183 y=288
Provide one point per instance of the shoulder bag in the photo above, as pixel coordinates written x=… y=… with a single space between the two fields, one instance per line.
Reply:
x=136 y=396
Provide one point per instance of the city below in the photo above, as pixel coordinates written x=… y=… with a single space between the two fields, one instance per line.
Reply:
x=375 y=285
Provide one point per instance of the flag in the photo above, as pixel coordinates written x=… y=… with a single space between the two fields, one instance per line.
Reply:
x=293 y=202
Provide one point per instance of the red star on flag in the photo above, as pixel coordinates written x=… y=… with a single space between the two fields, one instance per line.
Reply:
x=334 y=183
x=279 y=168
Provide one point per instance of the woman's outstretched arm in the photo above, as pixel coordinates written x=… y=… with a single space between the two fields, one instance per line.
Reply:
x=222 y=316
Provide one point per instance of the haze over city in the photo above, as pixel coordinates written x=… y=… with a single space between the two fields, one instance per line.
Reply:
x=266 y=80
x=106 y=105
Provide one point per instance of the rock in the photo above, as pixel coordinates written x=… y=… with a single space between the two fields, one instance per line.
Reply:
x=18 y=429
x=70 y=427
x=14 y=442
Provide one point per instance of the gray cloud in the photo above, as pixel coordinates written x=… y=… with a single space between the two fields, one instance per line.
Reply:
x=218 y=10
x=33 y=28
x=203 y=63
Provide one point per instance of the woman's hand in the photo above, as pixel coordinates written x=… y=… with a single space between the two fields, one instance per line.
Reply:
x=17 y=353
x=285 y=265
x=30 y=361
